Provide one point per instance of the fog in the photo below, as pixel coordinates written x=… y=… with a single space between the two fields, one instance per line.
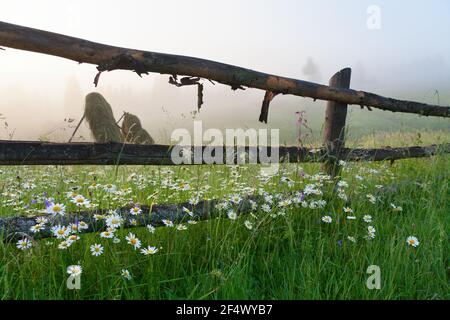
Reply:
x=407 y=57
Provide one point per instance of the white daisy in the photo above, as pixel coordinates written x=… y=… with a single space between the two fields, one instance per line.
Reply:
x=107 y=234
x=183 y=186
x=126 y=274
x=149 y=250
x=114 y=221
x=371 y=232
x=73 y=238
x=63 y=245
x=284 y=203
x=371 y=198
x=232 y=215
x=189 y=212
x=74 y=270
x=98 y=217
x=348 y=210
x=41 y=220
x=79 y=201
x=71 y=194
x=60 y=232
x=327 y=219
x=24 y=244
x=82 y=225
x=412 y=241
x=235 y=199
x=56 y=209
x=74 y=228
x=151 y=228
x=193 y=201
x=371 y=235
x=37 y=227
x=96 y=249
x=135 y=210
x=109 y=188
x=342 y=184
x=135 y=242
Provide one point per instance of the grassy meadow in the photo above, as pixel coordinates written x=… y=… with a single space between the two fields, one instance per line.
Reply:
x=307 y=238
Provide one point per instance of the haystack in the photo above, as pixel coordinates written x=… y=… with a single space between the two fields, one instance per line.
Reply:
x=133 y=132
x=101 y=120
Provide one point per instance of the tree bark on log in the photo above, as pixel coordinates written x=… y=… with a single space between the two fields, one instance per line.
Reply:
x=109 y=58
x=46 y=153
x=13 y=228
x=383 y=154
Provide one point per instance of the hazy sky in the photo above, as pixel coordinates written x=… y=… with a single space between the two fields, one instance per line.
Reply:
x=409 y=54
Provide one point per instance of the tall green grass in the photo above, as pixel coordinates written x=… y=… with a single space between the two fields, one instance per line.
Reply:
x=291 y=256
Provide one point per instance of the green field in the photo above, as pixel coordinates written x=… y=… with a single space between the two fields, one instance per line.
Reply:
x=283 y=249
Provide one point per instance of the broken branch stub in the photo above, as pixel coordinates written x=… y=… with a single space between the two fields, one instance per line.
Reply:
x=187 y=81
x=268 y=97
x=199 y=96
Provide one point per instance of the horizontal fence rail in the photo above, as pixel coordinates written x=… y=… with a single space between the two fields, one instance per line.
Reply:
x=109 y=58
x=47 y=153
x=13 y=228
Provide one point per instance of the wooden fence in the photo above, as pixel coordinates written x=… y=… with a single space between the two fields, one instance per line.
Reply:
x=194 y=71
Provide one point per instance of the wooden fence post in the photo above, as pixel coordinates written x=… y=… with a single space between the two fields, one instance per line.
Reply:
x=334 y=128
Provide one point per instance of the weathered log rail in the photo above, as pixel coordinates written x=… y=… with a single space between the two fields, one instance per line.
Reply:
x=13 y=228
x=46 y=153
x=109 y=58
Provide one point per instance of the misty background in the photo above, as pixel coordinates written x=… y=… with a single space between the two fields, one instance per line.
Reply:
x=408 y=57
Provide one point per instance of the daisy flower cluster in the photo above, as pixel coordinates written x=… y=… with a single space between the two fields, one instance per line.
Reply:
x=264 y=197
